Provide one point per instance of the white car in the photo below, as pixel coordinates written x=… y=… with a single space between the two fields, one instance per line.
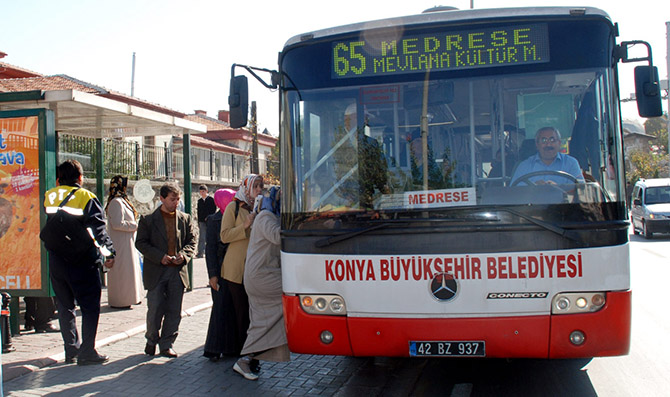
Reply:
x=650 y=206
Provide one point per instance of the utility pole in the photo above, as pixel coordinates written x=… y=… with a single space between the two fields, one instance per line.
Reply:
x=254 y=139
x=132 y=78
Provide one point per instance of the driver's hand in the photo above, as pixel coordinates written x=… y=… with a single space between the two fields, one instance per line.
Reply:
x=546 y=183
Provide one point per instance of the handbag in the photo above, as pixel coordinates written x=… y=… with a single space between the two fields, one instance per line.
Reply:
x=64 y=233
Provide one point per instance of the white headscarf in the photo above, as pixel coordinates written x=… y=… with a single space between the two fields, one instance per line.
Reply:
x=244 y=193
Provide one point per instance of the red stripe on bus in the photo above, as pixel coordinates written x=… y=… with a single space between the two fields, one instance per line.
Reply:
x=607 y=332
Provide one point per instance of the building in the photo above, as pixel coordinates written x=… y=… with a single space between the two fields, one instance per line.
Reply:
x=221 y=156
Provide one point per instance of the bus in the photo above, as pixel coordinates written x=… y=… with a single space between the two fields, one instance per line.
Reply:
x=430 y=203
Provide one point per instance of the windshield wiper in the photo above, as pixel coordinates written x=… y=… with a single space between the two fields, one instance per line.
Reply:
x=570 y=235
x=345 y=236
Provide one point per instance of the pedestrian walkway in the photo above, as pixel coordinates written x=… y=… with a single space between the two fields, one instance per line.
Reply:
x=34 y=351
x=132 y=373
x=37 y=366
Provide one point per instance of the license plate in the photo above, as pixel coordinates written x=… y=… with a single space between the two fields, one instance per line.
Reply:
x=447 y=349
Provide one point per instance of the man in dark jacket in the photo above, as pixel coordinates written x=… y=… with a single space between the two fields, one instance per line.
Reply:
x=167 y=238
x=206 y=207
x=77 y=276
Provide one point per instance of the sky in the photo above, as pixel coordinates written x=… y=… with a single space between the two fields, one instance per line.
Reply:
x=185 y=49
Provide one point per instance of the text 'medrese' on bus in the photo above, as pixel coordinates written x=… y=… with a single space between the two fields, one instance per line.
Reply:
x=453 y=184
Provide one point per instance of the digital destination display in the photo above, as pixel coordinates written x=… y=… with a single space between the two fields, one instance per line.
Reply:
x=440 y=51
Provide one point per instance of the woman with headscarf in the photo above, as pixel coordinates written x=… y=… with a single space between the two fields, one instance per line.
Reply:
x=124 y=280
x=220 y=334
x=235 y=230
x=266 y=336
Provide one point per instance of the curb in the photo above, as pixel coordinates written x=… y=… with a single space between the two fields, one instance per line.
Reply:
x=36 y=364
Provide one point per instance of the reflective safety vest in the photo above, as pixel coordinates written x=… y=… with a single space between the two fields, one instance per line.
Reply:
x=75 y=205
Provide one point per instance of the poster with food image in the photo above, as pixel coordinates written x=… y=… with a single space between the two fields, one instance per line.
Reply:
x=20 y=257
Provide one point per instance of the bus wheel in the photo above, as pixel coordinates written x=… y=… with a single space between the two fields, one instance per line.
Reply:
x=645 y=231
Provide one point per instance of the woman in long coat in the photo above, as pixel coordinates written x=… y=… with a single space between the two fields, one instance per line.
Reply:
x=266 y=336
x=124 y=280
x=220 y=332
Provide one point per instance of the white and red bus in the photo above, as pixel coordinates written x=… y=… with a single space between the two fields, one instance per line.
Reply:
x=411 y=225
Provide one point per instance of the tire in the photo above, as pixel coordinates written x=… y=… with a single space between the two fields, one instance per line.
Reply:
x=645 y=231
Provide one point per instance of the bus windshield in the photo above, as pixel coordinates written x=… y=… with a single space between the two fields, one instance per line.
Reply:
x=363 y=147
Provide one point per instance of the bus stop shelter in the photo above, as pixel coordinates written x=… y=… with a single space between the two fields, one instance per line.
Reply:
x=72 y=112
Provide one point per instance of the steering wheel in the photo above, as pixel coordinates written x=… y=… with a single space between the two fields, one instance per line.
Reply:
x=526 y=178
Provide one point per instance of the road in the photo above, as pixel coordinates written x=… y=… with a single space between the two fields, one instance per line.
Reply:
x=644 y=372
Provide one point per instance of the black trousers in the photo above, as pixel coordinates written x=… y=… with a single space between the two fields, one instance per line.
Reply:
x=241 y=312
x=80 y=281
x=39 y=310
x=164 y=303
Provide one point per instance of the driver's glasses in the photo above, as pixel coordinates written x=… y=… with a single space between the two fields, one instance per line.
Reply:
x=548 y=140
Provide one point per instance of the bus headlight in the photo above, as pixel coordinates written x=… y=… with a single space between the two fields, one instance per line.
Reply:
x=337 y=305
x=578 y=302
x=330 y=305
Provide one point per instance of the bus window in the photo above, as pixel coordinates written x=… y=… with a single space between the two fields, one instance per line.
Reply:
x=363 y=149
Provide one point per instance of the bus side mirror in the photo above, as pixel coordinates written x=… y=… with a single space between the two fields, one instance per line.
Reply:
x=647 y=91
x=238 y=101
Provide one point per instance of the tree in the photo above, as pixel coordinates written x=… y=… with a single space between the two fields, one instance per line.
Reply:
x=273 y=165
x=647 y=164
x=658 y=127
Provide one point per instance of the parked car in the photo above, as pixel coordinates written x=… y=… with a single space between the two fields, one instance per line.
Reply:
x=650 y=206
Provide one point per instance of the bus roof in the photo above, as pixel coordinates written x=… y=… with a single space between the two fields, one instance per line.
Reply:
x=461 y=16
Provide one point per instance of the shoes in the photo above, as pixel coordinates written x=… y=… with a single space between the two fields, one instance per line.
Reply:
x=121 y=307
x=200 y=256
x=96 y=359
x=70 y=359
x=169 y=353
x=46 y=328
x=28 y=327
x=242 y=368
x=150 y=349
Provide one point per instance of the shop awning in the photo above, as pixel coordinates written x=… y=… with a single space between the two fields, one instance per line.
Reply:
x=90 y=115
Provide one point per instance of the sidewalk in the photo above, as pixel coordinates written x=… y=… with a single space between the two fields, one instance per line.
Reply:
x=34 y=351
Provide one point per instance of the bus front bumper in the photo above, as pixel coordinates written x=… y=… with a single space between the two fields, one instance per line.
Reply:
x=606 y=332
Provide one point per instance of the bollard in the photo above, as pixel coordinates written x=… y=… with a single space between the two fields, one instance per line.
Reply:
x=4 y=325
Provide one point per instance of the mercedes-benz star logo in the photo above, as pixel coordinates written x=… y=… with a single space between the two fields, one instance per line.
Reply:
x=443 y=286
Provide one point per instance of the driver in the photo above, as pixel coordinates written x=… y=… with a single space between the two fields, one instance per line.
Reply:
x=548 y=159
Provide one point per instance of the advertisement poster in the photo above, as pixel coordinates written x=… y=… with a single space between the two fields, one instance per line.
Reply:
x=20 y=261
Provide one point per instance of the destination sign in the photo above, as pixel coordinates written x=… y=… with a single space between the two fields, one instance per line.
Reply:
x=440 y=51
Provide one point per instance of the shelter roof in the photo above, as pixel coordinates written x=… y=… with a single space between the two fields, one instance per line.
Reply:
x=88 y=114
x=89 y=110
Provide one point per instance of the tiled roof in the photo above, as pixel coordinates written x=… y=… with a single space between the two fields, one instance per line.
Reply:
x=45 y=83
x=64 y=82
x=201 y=142
x=211 y=123
x=11 y=71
